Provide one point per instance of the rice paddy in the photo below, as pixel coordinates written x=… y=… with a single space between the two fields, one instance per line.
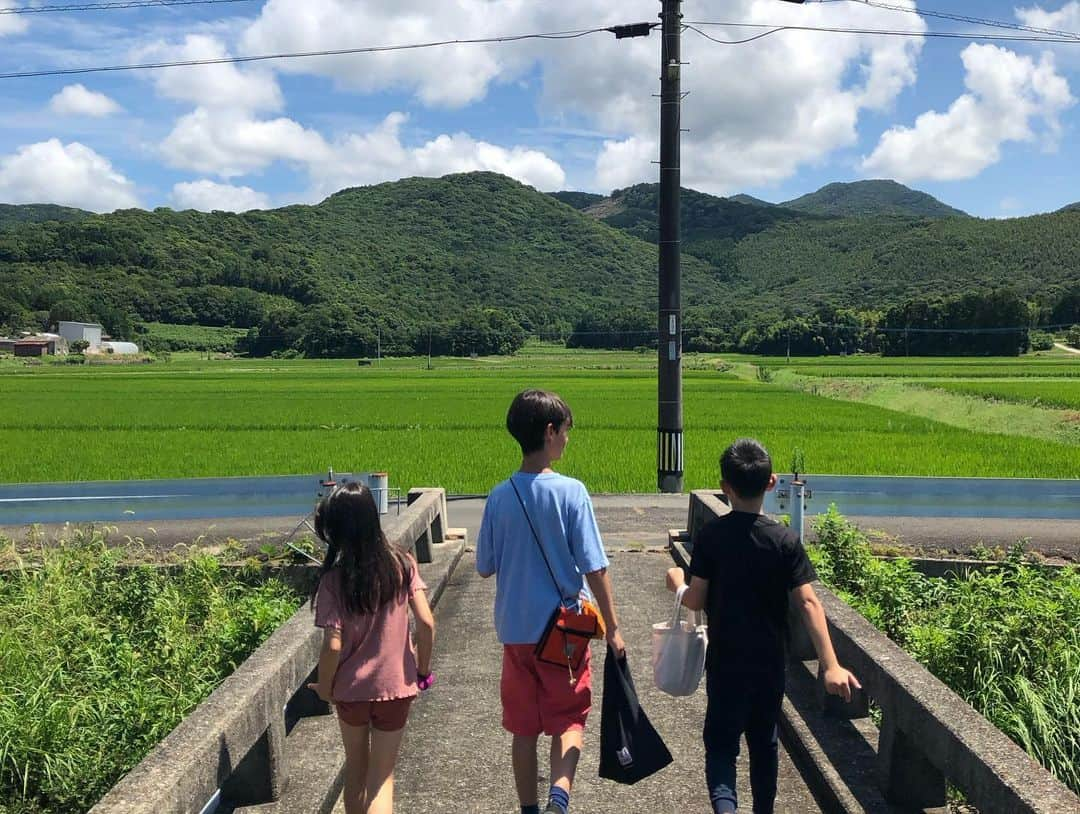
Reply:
x=445 y=426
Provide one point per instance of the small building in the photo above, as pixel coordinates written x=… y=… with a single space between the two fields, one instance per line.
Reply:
x=118 y=347
x=7 y=345
x=80 y=331
x=35 y=347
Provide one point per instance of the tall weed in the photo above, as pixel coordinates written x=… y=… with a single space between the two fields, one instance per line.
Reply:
x=100 y=662
x=1006 y=639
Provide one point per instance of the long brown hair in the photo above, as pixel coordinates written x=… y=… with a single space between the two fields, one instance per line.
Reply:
x=372 y=571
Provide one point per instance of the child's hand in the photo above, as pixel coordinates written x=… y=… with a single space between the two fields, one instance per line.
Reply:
x=616 y=643
x=323 y=692
x=675 y=579
x=839 y=681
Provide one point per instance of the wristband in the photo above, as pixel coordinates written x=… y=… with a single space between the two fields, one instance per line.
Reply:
x=425 y=682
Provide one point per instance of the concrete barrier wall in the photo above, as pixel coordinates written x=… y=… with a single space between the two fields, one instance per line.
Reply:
x=928 y=735
x=236 y=736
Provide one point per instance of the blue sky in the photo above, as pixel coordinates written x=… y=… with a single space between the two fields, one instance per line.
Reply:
x=991 y=128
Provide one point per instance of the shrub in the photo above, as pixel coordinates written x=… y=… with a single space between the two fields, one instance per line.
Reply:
x=1040 y=340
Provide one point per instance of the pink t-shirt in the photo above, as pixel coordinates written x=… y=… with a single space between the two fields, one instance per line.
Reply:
x=377 y=661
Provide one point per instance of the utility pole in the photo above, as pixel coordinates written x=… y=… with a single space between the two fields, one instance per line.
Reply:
x=378 y=345
x=429 y=347
x=669 y=433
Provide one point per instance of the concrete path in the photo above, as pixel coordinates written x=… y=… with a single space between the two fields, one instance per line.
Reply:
x=1066 y=348
x=456 y=754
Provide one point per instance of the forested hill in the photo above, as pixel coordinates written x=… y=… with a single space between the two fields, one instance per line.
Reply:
x=872 y=198
x=410 y=253
x=422 y=252
x=11 y=214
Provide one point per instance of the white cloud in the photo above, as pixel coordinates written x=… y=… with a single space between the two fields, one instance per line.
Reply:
x=1066 y=18
x=72 y=175
x=206 y=196
x=11 y=23
x=448 y=76
x=755 y=113
x=1007 y=95
x=380 y=155
x=210 y=86
x=233 y=143
x=77 y=100
x=623 y=163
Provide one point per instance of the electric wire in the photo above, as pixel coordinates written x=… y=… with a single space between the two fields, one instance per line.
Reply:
x=113 y=6
x=955 y=35
x=964 y=18
x=554 y=35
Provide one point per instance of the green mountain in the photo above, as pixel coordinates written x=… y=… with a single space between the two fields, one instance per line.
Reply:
x=405 y=255
x=410 y=253
x=868 y=198
x=711 y=226
x=750 y=200
x=11 y=214
x=1073 y=207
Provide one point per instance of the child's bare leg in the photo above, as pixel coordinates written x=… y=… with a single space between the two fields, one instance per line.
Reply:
x=523 y=756
x=565 y=752
x=380 y=770
x=355 y=739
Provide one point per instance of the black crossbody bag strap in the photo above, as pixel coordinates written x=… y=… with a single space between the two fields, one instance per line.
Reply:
x=532 y=528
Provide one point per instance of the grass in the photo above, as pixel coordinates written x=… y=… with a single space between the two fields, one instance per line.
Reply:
x=100 y=662
x=1007 y=640
x=163 y=336
x=445 y=426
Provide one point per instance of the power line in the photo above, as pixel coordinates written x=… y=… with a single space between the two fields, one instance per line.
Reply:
x=555 y=35
x=111 y=6
x=963 y=18
x=692 y=25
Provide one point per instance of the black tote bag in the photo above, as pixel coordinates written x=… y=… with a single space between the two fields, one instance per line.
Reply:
x=630 y=748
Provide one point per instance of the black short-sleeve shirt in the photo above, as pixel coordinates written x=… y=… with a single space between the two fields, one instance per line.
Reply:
x=752 y=564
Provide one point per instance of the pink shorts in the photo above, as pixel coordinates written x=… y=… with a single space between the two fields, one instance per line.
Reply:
x=386 y=716
x=538 y=697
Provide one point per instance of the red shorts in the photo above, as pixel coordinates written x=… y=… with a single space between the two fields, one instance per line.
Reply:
x=386 y=716
x=538 y=697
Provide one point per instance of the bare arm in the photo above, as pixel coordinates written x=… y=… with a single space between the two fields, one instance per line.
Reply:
x=838 y=681
x=328 y=663
x=695 y=595
x=425 y=631
x=600 y=585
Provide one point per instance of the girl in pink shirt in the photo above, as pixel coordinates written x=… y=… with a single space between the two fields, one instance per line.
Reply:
x=368 y=668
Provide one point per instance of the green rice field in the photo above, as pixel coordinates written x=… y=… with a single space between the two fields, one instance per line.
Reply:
x=444 y=426
x=1054 y=393
x=1039 y=366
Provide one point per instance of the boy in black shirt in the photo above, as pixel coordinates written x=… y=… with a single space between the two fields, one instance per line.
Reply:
x=745 y=569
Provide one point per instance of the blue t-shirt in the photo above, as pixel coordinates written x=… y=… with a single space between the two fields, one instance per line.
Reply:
x=562 y=514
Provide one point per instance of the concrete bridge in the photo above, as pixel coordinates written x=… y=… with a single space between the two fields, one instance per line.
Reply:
x=262 y=744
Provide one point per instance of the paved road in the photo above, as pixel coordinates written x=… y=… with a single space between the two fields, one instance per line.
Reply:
x=635 y=521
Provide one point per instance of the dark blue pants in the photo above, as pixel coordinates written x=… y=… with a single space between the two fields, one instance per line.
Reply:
x=742 y=702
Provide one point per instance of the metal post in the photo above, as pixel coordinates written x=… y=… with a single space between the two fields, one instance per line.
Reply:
x=669 y=441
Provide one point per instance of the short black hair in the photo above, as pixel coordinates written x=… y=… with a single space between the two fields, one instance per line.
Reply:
x=746 y=467
x=529 y=414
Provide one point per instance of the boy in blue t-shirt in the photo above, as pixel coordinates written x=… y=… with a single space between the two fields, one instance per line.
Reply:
x=745 y=570
x=537 y=697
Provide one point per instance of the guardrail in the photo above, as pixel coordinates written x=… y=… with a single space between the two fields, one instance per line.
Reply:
x=233 y=744
x=928 y=734
x=888 y=496
x=176 y=499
